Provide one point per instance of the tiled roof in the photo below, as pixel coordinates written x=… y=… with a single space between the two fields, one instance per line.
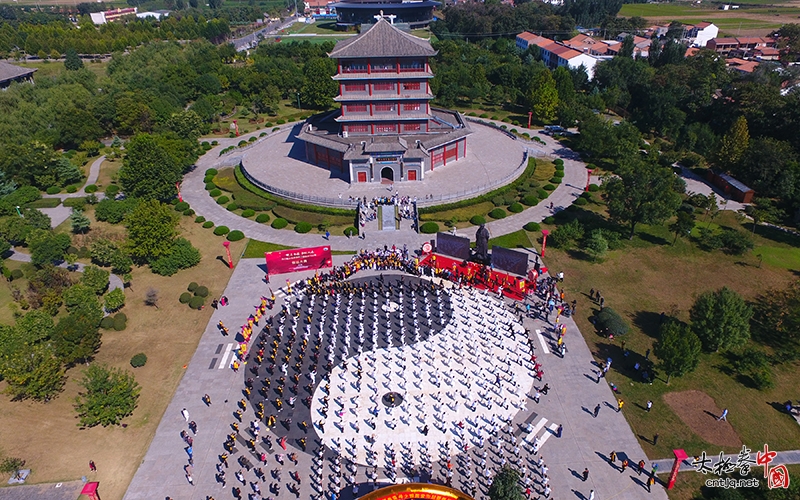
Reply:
x=9 y=71
x=382 y=40
x=527 y=35
x=703 y=25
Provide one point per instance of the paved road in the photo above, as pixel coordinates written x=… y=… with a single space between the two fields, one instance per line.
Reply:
x=94 y=172
x=251 y=40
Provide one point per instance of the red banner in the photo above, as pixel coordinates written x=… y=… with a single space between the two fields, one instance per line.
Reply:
x=298 y=259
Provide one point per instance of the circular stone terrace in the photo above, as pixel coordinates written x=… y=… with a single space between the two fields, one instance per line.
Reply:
x=492 y=158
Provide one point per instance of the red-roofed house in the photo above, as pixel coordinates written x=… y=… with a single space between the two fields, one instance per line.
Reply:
x=741 y=65
x=556 y=54
x=588 y=45
x=701 y=33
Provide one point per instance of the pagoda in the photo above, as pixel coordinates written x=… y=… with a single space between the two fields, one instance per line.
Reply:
x=386 y=129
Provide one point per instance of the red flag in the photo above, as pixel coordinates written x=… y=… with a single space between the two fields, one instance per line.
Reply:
x=282 y=442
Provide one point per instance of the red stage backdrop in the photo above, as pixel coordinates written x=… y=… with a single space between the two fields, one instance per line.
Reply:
x=299 y=259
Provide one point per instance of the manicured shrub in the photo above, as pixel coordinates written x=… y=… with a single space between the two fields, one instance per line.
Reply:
x=608 y=322
x=279 y=223
x=542 y=194
x=303 y=227
x=252 y=139
x=484 y=115
x=188 y=212
x=558 y=162
x=530 y=200
x=558 y=173
x=212 y=171
x=181 y=206
x=120 y=322
x=235 y=235
x=516 y=208
x=280 y=121
x=593 y=188
x=497 y=213
x=550 y=220
x=580 y=202
x=495 y=118
x=275 y=129
x=199 y=219
x=17 y=274
x=107 y=323
x=586 y=195
x=248 y=213
x=532 y=227
x=201 y=291
x=262 y=218
x=208 y=224
x=477 y=220
x=210 y=186
x=350 y=231
x=112 y=190
x=220 y=230
x=429 y=228
x=222 y=200
x=242 y=143
x=197 y=303
x=205 y=145
x=139 y=360
x=498 y=201
x=72 y=189
x=185 y=298
x=91 y=188
x=262 y=134
x=232 y=206
x=53 y=190
x=549 y=187
x=192 y=286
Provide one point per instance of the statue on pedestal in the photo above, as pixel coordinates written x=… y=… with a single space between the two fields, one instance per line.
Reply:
x=482 y=244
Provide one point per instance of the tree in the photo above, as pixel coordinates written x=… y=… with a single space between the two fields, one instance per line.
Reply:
x=80 y=223
x=733 y=144
x=319 y=89
x=152 y=229
x=77 y=336
x=151 y=297
x=48 y=248
x=108 y=396
x=149 y=171
x=642 y=192
x=721 y=319
x=544 y=96
x=72 y=61
x=95 y=278
x=114 y=300
x=79 y=296
x=505 y=485
x=187 y=125
x=678 y=349
x=32 y=372
x=215 y=4
x=683 y=225
x=596 y=245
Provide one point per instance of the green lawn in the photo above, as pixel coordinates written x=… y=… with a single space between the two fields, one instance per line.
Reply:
x=322 y=27
x=54 y=68
x=256 y=249
x=517 y=239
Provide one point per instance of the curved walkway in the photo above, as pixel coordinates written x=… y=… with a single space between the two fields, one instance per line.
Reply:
x=194 y=192
x=94 y=173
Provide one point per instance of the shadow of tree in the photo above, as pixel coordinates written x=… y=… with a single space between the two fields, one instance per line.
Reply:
x=649 y=322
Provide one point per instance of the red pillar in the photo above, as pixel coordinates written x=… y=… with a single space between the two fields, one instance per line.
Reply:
x=545 y=233
x=227 y=245
x=680 y=456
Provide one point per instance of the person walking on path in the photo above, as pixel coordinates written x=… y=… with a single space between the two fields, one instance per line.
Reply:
x=585 y=474
x=655 y=439
x=185 y=414
x=641 y=467
x=620 y=403
x=207 y=399
x=624 y=465
x=612 y=457
x=650 y=482
x=591 y=495
x=649 y=405
x=92 y=466
x=596 y=410
x=724 y=415
x=559 y=430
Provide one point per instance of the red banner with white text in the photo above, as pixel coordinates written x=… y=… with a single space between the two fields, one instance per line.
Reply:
x=298 y=259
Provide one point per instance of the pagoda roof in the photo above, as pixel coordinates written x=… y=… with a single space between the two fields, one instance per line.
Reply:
x=382 y=40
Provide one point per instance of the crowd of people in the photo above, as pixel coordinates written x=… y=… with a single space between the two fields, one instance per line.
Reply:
x=368 y=209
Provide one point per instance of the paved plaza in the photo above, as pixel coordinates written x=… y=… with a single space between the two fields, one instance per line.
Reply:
x=458 y=363
x=279 y=161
